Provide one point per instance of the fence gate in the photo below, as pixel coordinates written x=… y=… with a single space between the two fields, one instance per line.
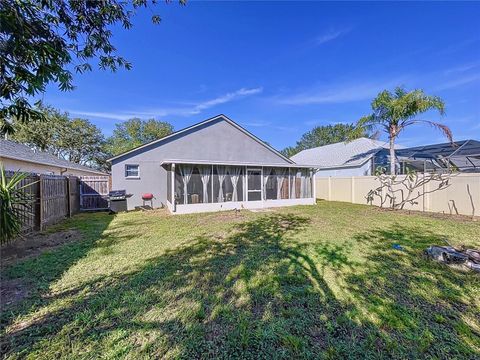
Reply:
x=94 y=192
x=53 y=199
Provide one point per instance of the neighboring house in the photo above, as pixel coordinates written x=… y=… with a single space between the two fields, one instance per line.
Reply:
x=213 y=165
x=15 y=156
x=354 y=158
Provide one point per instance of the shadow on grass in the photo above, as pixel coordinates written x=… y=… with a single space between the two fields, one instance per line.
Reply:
x=419 y=305
x=256 y=293
x=39 y=272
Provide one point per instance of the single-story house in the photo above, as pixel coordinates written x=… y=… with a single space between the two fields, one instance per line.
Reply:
x=19 y=157
x=213 y=165
x=354 y=158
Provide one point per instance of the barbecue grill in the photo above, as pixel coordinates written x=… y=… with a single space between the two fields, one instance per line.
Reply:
x=117 y=200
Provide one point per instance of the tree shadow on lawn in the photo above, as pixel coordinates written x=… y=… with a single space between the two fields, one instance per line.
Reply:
x=418 y=304
x=38 y=273
x=253 y=293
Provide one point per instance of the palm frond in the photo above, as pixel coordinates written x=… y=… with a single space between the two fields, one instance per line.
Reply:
x=447 y=132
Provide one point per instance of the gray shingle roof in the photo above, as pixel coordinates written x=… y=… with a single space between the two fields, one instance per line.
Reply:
x=342 y=154
x=14 y=150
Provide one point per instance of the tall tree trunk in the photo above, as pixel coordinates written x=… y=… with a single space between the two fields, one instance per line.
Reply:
x=392 y=155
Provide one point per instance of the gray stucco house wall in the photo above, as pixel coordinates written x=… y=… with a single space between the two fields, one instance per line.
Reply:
x=215 y=140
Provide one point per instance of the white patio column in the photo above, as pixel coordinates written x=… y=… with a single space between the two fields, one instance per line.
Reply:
x=261 y=185
x=245 y=184
x=314 y=184
x=173 y=189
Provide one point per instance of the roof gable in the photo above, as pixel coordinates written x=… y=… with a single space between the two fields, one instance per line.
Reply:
x=198 y=127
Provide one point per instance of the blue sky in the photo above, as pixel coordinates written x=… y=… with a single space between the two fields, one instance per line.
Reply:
x=281 y=68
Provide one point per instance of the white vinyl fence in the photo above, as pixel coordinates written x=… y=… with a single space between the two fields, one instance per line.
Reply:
x=460 y=196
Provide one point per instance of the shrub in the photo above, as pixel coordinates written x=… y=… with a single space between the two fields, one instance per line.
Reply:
x=14 y=200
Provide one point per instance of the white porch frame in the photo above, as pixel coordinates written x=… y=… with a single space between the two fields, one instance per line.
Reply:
x=175 y=208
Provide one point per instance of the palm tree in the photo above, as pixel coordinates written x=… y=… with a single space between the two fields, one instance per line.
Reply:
x=394 y=112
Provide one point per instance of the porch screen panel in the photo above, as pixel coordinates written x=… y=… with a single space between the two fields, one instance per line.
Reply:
x=195 y=187
x=300 y=184
x=206 y=178
x=233 y=184
x=282 y=183
x=306 y=184
x=270 y=182
x=219 y=183
x=217 y=191
x=295 y=184
x=178 y=186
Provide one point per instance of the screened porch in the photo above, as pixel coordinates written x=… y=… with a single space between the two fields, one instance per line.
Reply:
x=211 y=187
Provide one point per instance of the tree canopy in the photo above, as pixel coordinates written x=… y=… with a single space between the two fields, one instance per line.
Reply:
x=76 y=140
x=327 y=134
x=135 y=132
x=41 y=41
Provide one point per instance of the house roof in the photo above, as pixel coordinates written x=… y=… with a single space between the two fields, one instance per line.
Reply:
x=13 y=150
x=221 y=116
x=341 y=154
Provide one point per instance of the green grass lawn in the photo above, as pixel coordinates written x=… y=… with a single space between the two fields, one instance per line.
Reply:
x=309 y=281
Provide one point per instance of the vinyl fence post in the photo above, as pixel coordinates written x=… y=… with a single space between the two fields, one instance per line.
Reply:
x=329 y=188
x=353 y=189
x=426 y=195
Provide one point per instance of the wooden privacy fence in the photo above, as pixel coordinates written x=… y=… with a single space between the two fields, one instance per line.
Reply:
x=56 y=197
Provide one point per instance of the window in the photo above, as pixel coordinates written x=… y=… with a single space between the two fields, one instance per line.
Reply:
x=132 y=171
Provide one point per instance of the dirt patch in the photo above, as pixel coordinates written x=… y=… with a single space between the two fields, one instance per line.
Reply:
x=34 y=244
x=13 y=291
x=225 y=216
